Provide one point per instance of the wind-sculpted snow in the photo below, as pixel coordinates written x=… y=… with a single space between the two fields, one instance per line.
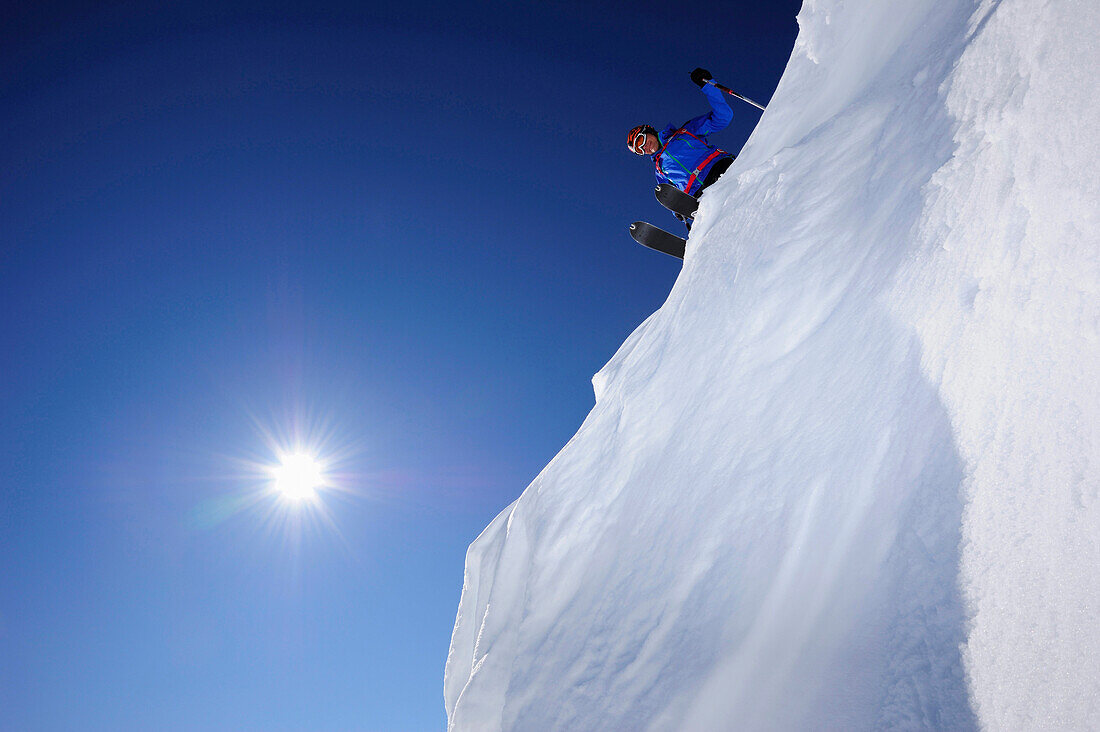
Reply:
x=847 y=476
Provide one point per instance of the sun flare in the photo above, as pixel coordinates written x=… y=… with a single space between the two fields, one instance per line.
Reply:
x=298 y=476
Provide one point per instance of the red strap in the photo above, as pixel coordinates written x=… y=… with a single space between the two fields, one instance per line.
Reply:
x=684 y=130
x=657 y=155
x=691 y=180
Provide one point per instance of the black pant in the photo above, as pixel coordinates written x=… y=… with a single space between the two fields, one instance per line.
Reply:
x=716 y=172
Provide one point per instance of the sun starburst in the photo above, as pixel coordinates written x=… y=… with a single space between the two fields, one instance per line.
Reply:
x=298 y=476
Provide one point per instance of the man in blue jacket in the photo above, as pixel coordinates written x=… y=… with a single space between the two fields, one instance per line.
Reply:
x=681 y=155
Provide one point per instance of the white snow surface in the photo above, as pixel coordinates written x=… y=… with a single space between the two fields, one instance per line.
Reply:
x=847 y=476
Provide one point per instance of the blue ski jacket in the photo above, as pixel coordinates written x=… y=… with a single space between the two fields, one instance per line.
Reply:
x=685 y=157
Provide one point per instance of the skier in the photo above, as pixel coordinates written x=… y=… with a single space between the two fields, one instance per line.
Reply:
x=681 y=155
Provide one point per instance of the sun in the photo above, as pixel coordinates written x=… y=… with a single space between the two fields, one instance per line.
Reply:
x=298 y=476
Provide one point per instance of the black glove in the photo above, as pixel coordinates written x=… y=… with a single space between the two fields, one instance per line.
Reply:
x=701 y=77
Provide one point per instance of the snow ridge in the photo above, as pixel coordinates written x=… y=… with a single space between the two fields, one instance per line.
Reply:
x=847 y=476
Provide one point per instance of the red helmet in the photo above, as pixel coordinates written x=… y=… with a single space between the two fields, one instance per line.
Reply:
x=638 y=137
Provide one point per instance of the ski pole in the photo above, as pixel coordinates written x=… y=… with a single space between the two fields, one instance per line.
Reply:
x=732 y=93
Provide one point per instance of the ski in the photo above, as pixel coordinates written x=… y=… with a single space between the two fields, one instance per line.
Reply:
x=676 y=200
x=660 y=240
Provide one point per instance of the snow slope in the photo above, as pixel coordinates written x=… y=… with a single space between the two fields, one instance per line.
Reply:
x=847 y=476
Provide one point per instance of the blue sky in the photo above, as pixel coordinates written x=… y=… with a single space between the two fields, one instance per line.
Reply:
x=396 y=235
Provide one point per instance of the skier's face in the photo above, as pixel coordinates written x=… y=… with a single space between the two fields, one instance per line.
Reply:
x=645 y=143
x=651 y=144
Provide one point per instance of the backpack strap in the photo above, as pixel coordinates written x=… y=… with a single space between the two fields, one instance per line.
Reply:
x=695 y=173
x=657 y=155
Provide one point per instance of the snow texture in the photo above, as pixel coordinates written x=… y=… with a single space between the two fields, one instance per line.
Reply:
x=847 y=476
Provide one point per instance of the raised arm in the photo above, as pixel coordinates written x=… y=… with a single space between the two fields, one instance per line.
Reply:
x=717 y=119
